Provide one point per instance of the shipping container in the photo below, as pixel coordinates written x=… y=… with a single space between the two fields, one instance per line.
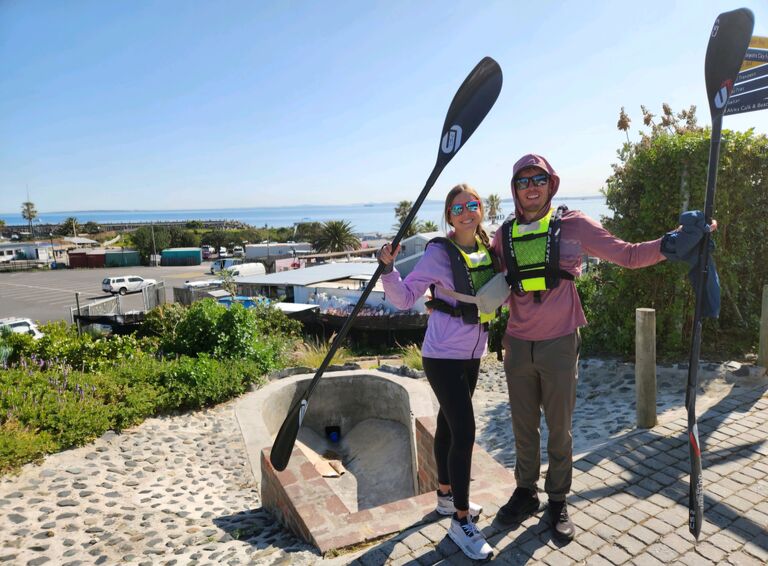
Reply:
x=89 y=258
x=122 y=258
x=181 y=256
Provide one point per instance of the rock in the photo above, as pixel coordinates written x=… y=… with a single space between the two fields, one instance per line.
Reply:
x=287 y=372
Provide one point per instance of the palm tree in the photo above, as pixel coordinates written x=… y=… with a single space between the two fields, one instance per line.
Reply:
x=493 y=205
x=428 y=226
x=402 y=210
x=69 y=226
x=336 y=236
x=28 y=213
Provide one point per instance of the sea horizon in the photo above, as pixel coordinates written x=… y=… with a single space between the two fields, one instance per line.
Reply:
x=369 y=217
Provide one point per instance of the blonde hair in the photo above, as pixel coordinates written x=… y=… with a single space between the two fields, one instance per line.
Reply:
x=464 y=188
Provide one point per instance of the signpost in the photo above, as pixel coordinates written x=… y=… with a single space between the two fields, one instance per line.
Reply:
x=750 y=91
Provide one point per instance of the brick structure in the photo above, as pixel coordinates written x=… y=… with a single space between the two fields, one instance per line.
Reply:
x=305 y=503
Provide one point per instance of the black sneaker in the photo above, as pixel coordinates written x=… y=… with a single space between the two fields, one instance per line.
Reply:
x=523 y=503
x=562 y=526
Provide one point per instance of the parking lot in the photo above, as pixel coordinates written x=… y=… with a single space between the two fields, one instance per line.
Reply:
x=48 y=295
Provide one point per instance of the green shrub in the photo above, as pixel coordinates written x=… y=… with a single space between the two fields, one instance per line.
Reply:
x=656 y=179
x=19 y=445
x=191 y=383
x=262 y=334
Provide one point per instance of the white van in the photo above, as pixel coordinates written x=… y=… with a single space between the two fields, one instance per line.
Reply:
x=248 y=269
x=219 y=264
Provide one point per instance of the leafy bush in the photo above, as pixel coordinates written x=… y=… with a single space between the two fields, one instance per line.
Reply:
x=62 y=346
x=20 y=445
x=65 y=390
x=656 y=179
x=191 y=383
x=262 y=334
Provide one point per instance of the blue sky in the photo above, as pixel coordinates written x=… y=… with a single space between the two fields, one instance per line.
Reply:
x=188 y=104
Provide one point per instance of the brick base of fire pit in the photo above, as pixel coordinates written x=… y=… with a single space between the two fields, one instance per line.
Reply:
x=303 y=501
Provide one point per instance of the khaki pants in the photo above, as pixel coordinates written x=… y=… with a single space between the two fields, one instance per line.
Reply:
x=543 y=375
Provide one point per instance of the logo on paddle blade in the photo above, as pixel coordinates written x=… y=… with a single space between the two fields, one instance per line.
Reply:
x=721 y=97
x=452 y=140
x=716 y=27
x=302 y=410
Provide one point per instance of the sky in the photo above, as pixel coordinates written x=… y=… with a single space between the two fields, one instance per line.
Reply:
x=170 y=104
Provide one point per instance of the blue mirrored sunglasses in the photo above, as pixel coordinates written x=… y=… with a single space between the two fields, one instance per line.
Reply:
x=472 y=206
x=538 y=180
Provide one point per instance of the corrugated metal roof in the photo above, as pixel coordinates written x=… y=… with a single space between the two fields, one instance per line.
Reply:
x=80 y=241
x=312 y=275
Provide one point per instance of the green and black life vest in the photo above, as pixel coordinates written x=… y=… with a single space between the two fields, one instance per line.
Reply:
x=470 y=272
x=532 y=254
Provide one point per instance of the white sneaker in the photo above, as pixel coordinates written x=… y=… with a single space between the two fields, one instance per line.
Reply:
x=469 y=539
x=445 y=506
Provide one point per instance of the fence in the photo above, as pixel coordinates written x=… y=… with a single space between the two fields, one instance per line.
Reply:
x=153 y=295
x=185 y=296
x=23 y=265
x=110 y=305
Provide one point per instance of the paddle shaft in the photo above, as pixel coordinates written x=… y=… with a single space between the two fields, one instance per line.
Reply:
x=371 y=283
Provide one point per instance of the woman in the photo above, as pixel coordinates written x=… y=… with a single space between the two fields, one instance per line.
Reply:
x=455 y=341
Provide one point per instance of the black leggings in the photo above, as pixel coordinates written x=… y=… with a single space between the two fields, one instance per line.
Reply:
x=453 y=382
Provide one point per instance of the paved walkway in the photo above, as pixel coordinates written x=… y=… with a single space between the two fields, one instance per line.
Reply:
x=630 y=500
x=177 y=490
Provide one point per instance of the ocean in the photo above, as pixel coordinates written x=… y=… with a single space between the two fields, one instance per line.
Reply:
x=365 y=218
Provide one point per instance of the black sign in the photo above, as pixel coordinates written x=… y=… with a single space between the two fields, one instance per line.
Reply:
x=754 y=54
x=752 y=73
x=748 y=102
x=749 y=86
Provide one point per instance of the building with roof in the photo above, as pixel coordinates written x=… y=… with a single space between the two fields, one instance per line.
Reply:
x=332 y=286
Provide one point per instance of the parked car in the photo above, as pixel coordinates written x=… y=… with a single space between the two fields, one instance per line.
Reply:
x=208 y=251
x=125 y=284
x=238 y=251
x=223 y=252
x=21 y=326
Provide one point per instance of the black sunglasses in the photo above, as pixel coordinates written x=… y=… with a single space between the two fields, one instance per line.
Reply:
x=538 y=180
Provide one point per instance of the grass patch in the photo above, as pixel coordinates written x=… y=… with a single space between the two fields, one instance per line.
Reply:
x=412 y=357
x=312 y=352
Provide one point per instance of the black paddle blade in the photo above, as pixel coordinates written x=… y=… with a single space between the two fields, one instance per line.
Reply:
x=286 y=436
x=472 y=102
x=728 y=43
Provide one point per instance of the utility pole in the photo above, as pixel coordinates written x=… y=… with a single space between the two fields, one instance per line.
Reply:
x=154 y=249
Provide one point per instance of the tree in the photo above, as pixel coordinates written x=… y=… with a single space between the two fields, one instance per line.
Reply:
x=141 y=240
x=493 y=206
x=402 y=210
x=91 y=227
x=28 y=213
x=68 y=227
x=427 y=226
x=336 y=236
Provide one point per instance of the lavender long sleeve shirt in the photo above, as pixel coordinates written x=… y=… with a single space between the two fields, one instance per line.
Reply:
x=447 y=337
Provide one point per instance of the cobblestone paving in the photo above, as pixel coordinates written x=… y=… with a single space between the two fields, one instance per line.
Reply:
x=174 y=490
x=178 y=490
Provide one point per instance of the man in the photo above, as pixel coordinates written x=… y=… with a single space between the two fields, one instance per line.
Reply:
x=541 y=249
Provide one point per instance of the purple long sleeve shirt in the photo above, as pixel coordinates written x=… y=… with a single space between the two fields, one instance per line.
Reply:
x=447 y=337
